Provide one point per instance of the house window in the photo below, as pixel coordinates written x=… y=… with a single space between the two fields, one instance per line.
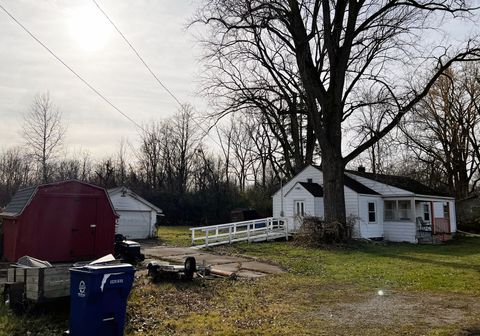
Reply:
x=299 y=208
x=372 y=217
x=390 y=209
x=309 y=180
x=397 y=210
x=404 y=210
x=446 y=210
x=426 y=212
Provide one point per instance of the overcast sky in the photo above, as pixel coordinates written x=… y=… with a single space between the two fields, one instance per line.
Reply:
x=77 y=32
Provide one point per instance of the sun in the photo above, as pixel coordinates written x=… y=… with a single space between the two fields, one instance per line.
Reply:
x=90 y=29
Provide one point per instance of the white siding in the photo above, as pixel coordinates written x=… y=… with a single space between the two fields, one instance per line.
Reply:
x=366 y=229
x=276 y=205
x=309 y=172
x=319 y=208
x=127 y=202
x=135 y=224
x=137 y=220
x=400 y=231
x=351 y=202
x=299 y=194
x=381 y=188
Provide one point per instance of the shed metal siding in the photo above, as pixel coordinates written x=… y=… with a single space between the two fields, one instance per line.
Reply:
x=65 y=221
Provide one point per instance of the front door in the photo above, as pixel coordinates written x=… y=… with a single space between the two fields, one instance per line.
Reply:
x=427 y=212
x=298 y=213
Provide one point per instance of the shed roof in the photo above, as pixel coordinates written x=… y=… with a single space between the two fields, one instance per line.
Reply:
x=402 y=182
x=19 y=201
x=23 y=197
x=313 y=188
x=128 y=192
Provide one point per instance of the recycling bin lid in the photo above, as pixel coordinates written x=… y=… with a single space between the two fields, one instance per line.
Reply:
x=107 y=266
x=103 y=267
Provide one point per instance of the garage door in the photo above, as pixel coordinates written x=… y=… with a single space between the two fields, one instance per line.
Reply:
x=134 y=224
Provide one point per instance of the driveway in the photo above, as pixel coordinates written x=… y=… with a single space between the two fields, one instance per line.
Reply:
x=241 y=266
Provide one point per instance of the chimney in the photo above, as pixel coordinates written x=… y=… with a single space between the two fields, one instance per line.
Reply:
x=361 y=169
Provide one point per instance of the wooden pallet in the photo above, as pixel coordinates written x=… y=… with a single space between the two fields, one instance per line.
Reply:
x=42 y=284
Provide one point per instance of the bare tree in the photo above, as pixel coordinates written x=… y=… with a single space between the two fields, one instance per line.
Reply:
x=186 y=138
x=15 y=172
x=43 y=132
x=444 y=131
x=340 y=47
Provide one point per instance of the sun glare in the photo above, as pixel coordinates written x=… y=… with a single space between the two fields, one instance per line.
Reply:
x=89 y=29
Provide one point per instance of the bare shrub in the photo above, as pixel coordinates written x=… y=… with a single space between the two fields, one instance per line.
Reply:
x=315 y=231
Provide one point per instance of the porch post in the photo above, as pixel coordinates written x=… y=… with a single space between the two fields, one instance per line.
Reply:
x=432 y=214
x=414 y=211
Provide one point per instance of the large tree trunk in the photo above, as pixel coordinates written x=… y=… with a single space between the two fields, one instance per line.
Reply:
x=333 y=167
x=333 y=182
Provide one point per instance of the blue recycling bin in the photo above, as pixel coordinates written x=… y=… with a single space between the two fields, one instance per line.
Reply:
x=98 y=299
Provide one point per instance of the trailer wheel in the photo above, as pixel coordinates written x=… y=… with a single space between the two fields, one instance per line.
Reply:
x=190 y=267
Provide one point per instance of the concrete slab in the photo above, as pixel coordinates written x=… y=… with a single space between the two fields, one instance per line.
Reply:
x=250 y=274
x=233 y=267
x=243 y=267
x=261 y=267
x=160 y=251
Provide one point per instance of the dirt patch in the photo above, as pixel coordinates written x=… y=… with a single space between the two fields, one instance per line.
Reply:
x=422 y=310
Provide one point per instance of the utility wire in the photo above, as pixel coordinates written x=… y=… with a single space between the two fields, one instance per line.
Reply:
x=149 y=69
x=70 y=69
x=136 y=53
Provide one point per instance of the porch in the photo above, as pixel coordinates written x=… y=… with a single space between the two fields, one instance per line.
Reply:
x=418 y=220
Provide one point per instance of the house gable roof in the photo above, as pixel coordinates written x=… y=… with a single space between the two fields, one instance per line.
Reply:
x=402 y=182
x=313 y=188
x=118 y=190
x=355 y=185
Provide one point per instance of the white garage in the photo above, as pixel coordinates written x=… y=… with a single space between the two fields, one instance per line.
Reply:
x=137 y=215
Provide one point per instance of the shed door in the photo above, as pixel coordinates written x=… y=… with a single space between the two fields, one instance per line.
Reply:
x=84 y=228
x=134 y=224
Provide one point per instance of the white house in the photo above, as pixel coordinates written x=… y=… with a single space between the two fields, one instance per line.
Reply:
x=384 y=206
x=137 y=215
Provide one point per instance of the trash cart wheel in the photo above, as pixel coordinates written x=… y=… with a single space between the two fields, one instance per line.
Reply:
x=190 y=267
x=14 y=297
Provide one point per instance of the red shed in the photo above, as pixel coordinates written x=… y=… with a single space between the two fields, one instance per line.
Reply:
x=63 y=221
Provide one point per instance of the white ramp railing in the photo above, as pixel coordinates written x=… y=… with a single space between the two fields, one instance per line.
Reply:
x=252 y=230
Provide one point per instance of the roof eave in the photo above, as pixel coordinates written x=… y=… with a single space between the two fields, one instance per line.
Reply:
x=9 y=215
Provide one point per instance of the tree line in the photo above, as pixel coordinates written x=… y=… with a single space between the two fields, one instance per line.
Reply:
x=174 y=167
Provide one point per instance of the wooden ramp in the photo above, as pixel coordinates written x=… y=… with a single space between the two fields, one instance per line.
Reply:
x=257 y=230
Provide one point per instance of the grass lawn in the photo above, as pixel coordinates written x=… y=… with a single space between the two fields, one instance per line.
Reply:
x=428 y=290
x=175 y=235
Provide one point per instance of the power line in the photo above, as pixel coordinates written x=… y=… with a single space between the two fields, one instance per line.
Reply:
x=149 y=69
x=70 y=69
x=136 y=53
